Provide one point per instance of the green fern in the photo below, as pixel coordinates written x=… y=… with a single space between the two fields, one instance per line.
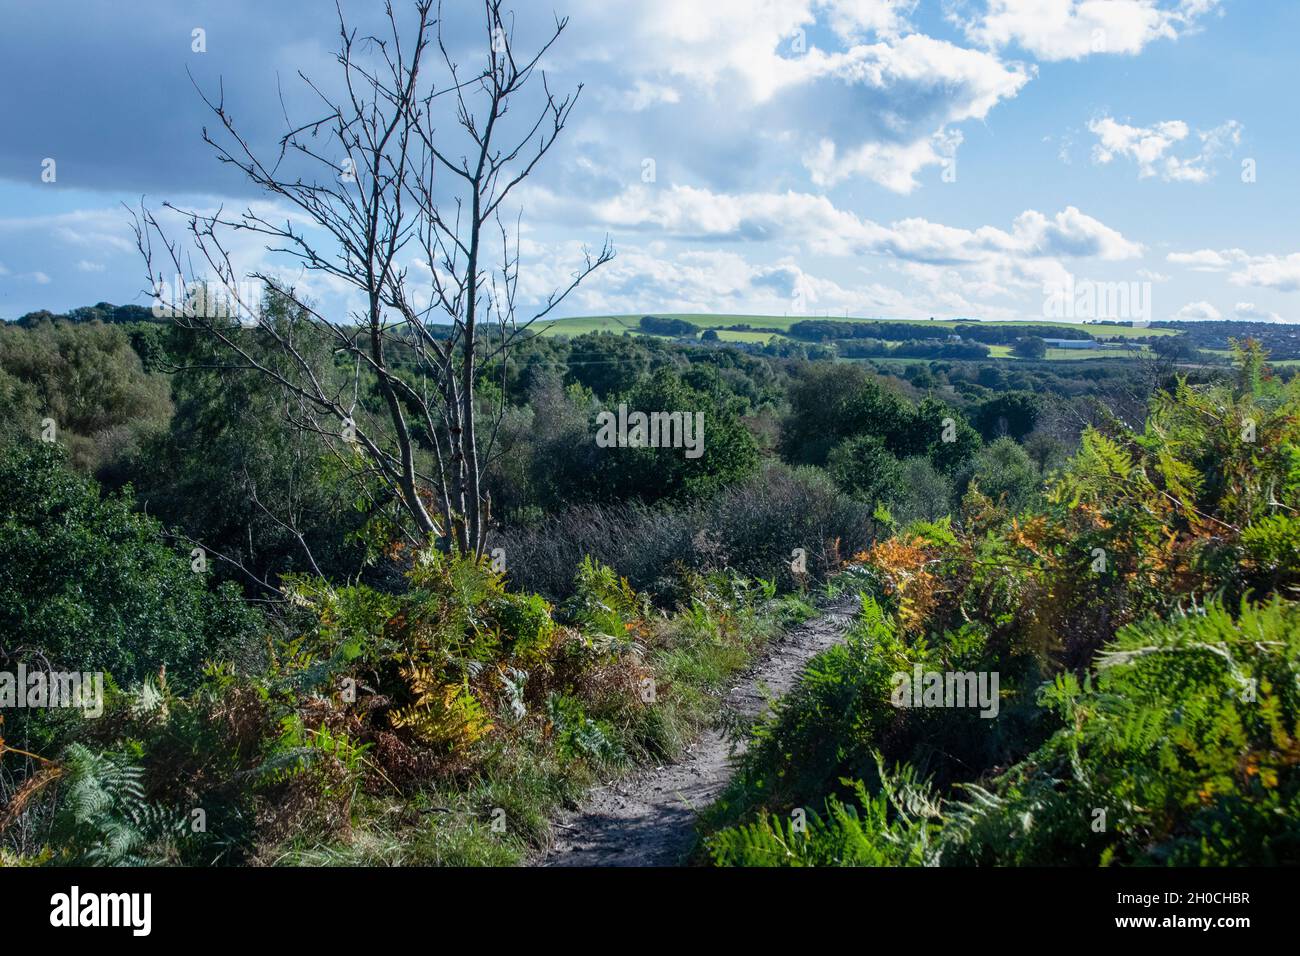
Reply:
x=103 y=817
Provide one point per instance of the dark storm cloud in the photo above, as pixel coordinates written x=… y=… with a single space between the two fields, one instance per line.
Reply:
x=108 y=90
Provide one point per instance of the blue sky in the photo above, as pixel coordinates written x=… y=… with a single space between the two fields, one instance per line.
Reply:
x=875 y=157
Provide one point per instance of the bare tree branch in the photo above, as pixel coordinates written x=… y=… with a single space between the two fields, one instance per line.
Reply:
x=370 y=210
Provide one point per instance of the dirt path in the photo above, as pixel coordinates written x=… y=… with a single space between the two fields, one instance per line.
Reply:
x=648 y=819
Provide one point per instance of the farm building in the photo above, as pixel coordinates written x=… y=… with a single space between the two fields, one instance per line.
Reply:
x=1072 y=343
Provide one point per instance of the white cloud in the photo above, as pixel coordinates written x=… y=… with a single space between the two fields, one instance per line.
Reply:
x=814 y=222
x=692 y=281
x=875 y=100
x=1072 y=233
x=760 y=44
x=97 y=242
x=1249 y=312
x=1074 y=29
x=1146 y=146
x=855 y=19
x=917 y=87
x=1281 y=273
x=38 y=277
x=1150 y=147
x=1198 y=312
x=1271 y=272
x=644 y=95
x=892 y=165
x=105 y=229
x=1208 y=260
x=944 y=269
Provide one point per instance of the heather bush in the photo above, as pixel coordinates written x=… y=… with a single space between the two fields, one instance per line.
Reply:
x=753 y=528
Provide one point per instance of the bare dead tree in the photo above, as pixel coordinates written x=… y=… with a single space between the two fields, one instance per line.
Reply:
x=400 y=194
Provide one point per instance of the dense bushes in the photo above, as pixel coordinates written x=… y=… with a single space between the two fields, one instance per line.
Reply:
x=88 y=585
x=662 y=325
x=608 y=364
x=1004 y=472
x=834 y=403
x=831 y=402
x=454 y=691
x=1013 y=414
x=90 y=382
x=233 y=472
x=1030 y=347
x=1140 y=619
x=752 y=528
x=557 y=451
x=865 y=469
x=989 y=333
x=859 y=348
x=1180 y=750
x=724 y=451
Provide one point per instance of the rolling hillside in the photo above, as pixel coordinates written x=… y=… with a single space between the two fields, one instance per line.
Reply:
x=763 y=329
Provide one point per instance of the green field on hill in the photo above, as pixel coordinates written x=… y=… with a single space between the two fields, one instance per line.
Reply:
x=723 y=325
x=629 y=323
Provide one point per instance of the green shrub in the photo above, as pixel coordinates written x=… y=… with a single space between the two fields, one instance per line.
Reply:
x=1181 y=750
x=88 y=379
x=89 y=584
x=923 y=494
x=727 y=451
x=890 y=828
x=865 y=469
x=1004 y=473
x=526 y=623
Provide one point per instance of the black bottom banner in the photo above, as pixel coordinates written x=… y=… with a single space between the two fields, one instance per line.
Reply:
x=348 y=906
